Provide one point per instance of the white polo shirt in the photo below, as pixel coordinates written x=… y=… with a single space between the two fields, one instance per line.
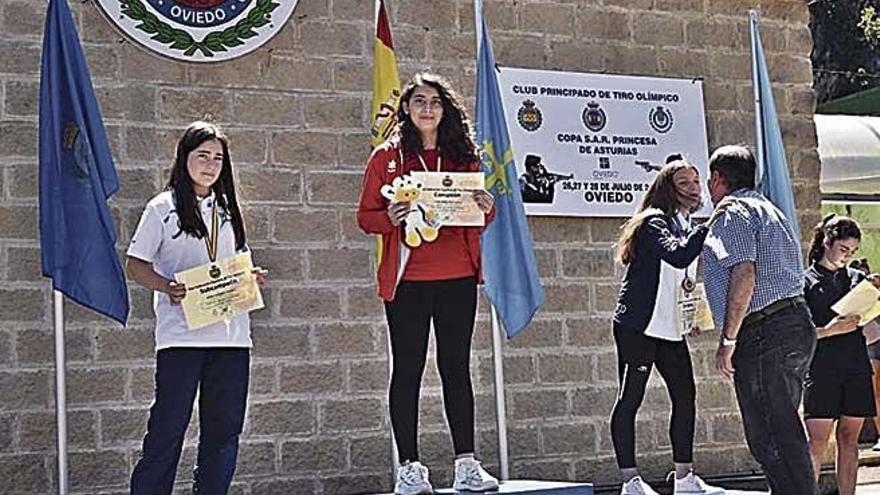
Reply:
x=159 y=240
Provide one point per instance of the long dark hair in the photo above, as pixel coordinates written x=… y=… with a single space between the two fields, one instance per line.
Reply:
x=181 y=186
x=455 y=140
x=832 y=228
x=661 y=198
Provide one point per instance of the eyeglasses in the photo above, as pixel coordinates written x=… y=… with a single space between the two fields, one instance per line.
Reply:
x=422 y=103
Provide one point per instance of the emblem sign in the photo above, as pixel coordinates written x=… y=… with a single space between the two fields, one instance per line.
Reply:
x=199 y=30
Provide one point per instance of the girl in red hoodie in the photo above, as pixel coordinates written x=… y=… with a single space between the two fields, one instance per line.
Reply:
x=435 y=281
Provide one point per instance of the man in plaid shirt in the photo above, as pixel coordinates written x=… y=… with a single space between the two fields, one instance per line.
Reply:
x=753 y=272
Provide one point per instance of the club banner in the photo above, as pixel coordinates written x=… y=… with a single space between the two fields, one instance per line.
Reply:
x=589 y=145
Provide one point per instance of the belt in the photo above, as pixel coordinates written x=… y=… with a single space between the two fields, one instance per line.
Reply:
x=762 y=314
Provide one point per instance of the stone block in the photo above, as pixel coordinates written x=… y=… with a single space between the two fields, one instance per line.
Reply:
x=368 y=376
x=268 y=108
x=337 y=339
x=566 y=299
x=19 y=57
x=25 y=473
x=282 y=418
x=270 y=184
x=563 y=368
x=36 y=430
x=589 y=332
x=568 y=439
x=313 y=456
x=339 y=111
x=131 y=344
x=549 y=18
x=547 y=230
x=283 y=341
x=312 y=378
x=24 y=390
x=348 y=264
x=141 y=384
x=526 y=51
x=137 y=64
x=94 y=385
x=123 y=427
x=541 y=470
x=96 y=469
x=22 y=98
x=538 y=404
x=297 y=225
x=263 y=380
x=363 y=302
x=18 y=139
x=518 y=370
x=334 y=188
x=587 y=263
x=371 y=452
x=255 y=459
x=603 y=24
x=310 y=302
x=351 y=415
x=658 y=29
x=313 y=149
x=37 y=346
x=332 y=38
x=539 y=333
x=186 y=105
x=594 y=400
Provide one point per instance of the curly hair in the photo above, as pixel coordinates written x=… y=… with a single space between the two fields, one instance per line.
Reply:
x=832 y=228
x=455 y=140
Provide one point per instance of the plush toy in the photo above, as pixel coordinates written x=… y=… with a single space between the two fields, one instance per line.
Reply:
x=419 y=223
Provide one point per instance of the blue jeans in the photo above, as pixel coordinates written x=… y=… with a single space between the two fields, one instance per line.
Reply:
x=771 y=361
x=221 y=377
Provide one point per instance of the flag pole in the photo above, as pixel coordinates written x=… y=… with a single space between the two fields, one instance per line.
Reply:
x=500 y=410
x=60 y=393
x=497 y=331
x=759 y=124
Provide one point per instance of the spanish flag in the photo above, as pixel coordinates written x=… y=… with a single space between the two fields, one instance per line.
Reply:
x=386 y=82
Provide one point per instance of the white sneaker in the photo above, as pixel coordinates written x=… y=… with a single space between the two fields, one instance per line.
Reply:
x=471 y=477
x=693 y=484
x=637 y=486
x=412 y=479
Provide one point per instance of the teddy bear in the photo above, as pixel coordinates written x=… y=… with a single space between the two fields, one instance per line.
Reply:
x=420 y=222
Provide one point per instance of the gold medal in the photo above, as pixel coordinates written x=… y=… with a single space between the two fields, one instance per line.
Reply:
x=688 y=285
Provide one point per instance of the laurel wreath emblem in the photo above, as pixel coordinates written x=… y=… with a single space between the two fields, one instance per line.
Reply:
x=215 y=41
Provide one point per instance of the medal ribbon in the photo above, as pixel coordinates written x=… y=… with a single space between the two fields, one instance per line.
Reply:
x=422 y=161
x=211 y=241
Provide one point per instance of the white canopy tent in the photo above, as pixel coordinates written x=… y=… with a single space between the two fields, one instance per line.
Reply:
x=849 y=150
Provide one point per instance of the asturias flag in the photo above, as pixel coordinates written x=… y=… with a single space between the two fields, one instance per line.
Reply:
x=77 y=235
x=774 y=182
x=386 y=82
x=511 y=276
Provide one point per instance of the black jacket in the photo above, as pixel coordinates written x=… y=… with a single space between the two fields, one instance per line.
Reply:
x=655 y=241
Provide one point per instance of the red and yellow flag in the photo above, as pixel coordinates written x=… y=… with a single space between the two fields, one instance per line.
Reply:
x=386 y=82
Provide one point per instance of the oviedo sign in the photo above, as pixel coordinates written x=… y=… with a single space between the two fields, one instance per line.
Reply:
x=199 y=30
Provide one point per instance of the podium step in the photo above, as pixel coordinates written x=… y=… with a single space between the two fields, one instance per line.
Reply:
x=531 y=487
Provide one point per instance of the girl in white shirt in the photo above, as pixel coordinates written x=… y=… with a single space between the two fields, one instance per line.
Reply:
x=195 y=221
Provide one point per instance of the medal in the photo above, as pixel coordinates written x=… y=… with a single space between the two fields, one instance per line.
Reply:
x=688 y=285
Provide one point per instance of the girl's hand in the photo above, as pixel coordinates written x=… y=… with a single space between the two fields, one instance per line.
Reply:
x=484 y=200
x=176 y=291
x=845 y=324
x=695 y=332
x=875 y=279
x=397 y=212
x=261 y=275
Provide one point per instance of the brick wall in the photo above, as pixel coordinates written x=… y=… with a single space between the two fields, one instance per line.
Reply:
x=296 y=111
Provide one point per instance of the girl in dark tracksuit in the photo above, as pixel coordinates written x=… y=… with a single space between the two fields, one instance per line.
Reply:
x=660 y=249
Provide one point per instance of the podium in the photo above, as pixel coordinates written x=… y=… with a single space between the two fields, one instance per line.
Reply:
x=529 y=487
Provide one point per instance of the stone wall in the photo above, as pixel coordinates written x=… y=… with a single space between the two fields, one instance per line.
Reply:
x=297 y=111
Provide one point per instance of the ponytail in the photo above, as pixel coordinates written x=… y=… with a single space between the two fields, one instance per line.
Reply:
x=832 y=228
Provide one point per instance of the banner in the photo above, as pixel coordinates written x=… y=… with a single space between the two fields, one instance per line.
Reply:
x=589 y=145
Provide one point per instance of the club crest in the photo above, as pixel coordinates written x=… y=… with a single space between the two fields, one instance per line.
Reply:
x=199 y=30
x=529 y=116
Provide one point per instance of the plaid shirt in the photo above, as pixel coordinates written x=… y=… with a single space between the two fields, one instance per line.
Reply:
x=751 y=229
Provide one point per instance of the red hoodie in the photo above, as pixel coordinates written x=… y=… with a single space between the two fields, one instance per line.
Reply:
x=383 y=166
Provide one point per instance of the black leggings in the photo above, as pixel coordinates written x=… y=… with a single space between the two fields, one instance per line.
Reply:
x=452 y=304
x=636 y=354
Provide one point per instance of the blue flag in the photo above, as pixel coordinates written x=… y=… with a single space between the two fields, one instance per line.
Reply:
x=774 y=182
x=511 y=276
x=77 y=235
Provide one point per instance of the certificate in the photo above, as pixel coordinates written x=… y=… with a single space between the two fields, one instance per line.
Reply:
x=219 y=291
x=862 y=300
x=693 y=310
x=450 y=195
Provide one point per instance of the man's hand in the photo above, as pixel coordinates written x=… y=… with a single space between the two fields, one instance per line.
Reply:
x=397 y=212
x=724 y=360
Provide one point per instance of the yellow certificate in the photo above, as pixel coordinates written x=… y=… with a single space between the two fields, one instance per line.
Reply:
x=451 y=196
x=862 y=300
x=219 y=291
